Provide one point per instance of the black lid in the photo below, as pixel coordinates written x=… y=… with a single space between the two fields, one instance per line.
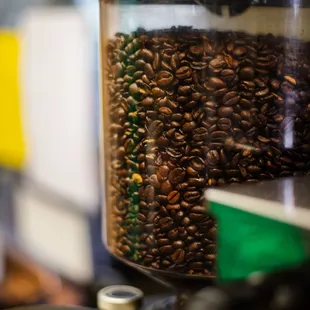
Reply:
x=235 y=7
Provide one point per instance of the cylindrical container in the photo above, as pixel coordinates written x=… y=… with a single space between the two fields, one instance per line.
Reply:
x=196 y=95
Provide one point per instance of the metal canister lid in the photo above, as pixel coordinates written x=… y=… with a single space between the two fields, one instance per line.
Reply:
x=119 y=297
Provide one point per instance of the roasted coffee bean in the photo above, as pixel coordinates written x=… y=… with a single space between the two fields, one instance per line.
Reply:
x=175 y=207
x=166 y=187
x=182 y=186
x=173 y=234
x=239 y=51
x=194 y=246
x=192 y=229
x=156 y=128
x=228 y=75
x=217 y=63
x=231 y=98
x=183 y=72
x=165 y=111
x=198 y=209
x=197 y=217
x=197 y=182
x=215 y=173
x=166 y=250
x=178 y=256
x=224 y=124
x=149 y=193
x=177 y=175
x=157 y=92
x=173 y=197
x=162 y=242
x=192 y=196
x=219 y=135
x=186 y=221
x=164 y=78
x=213 y=158
x=197 y=163
x=247 y=73
x=162 y=173
x=148 y=69
x=166 y=224
x=189 y=126
x=196 y=265
x=216 y=83
x=154 y=181
x=225 y=111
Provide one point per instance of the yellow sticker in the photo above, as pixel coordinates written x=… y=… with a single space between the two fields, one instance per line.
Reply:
x=12 y=147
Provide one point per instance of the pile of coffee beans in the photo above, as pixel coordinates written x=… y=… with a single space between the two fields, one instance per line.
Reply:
x=188 y=109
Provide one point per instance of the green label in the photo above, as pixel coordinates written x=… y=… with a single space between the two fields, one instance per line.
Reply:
x=250 y=243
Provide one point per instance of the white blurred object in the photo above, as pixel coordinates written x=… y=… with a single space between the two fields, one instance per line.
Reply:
x=60 y=191
x=58 y=100
x=54 y=236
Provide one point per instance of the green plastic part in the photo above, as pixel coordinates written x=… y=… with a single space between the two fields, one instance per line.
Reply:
x=250 y=243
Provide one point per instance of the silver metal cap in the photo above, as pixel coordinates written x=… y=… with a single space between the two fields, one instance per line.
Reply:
x=119 y=297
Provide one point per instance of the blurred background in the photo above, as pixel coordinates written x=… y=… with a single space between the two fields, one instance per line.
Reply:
x=50 y=200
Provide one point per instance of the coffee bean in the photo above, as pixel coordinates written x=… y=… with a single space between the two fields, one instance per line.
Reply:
x=198 y=209
x=216 y=83
x=189 y=126
x=192 y=196
x=164 y=78
x=173 y=197
x=197 y=182
x=213 y=158
x=162 y=173
x=186 y=221
x=146 y=54
x=228 y=75
x=247 y=73
x=219 y=135
x=196 y=265
x=173 y=234
x=178 y=256
x=217 y=63
x=162 y=141
x=166 y=250
x=147 y=102
x=175 y=207
x=194 y=246
x=165 y=111
x=197 y=217
x=254 y=169
x=197 y=163
x=166 y=224
x=148 y=70
x=183 y=72
x=162 y=242
x=154 y=181
x=176 y=175
x=157 y=92
x=224 y=124
x=231 y=99
x=215 y=172
x=156 y=128
x=166 y=188
x=225 y=111
x=149 y=193
x=181 y=186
